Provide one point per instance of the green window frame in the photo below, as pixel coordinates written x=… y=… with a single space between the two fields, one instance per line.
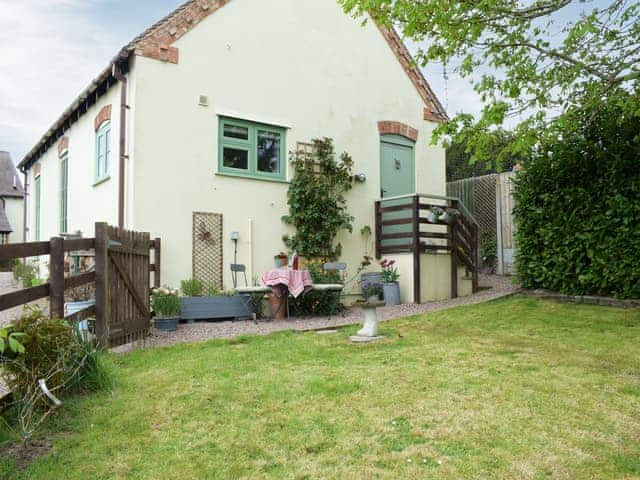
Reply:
x=103 y=151
x=251 y=150
x=64 y=188
x=37 y=192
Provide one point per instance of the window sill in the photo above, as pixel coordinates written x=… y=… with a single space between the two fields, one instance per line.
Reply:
x=251 y=177
x=102 y=180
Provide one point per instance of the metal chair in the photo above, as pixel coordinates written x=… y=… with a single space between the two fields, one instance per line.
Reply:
x=237 y=268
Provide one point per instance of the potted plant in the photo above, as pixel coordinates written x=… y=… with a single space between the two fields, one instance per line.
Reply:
x=166 y=308
x=390 y=286
x=448 y=215
x=206 y=302
x=371 y=291
x=433 y=214
x=281 y=260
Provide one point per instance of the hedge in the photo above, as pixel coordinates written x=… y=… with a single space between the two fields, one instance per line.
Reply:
x=578 y=203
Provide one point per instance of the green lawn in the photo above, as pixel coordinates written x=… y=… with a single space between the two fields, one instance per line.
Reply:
x=516 y=388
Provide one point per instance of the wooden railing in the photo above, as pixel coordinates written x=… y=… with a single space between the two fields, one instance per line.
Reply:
x=402 y=226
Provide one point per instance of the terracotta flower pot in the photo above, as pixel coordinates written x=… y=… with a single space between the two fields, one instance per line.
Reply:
x=278 y=306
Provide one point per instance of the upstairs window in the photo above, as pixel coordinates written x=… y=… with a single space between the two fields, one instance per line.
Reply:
x=103 y=151
x=251 y=150
x=64 y=186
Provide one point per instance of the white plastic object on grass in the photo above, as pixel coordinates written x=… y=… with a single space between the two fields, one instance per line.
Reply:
x=45 y=390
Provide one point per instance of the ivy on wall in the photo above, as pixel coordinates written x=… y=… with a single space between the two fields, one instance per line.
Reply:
x=317 y=204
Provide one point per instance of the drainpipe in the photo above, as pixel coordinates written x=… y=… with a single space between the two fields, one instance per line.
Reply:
x=25 y=227
x=117 y=73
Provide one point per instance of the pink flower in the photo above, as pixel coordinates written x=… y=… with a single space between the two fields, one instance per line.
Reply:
x=383 y=263
x=391 y=263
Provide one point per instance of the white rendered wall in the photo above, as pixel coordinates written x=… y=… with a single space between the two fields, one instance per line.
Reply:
x=303 y=64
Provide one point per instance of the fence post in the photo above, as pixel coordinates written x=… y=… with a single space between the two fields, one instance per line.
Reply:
x=476 y=258
x=102 y=283
x=157 y=255
x=56 y=281
x=416 y=250
x=453 y=243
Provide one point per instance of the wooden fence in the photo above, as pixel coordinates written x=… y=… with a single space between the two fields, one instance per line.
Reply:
x=398 y=223
x=489 y=198
x=122 y=279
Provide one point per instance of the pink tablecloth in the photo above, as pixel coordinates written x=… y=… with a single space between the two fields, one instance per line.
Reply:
x=296 y=281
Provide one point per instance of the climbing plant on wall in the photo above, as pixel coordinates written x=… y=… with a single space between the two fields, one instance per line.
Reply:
x=317 y=204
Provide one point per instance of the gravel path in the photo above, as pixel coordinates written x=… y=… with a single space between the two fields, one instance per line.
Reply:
x=494 y=287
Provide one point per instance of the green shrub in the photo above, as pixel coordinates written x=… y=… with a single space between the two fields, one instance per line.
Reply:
x=316 y=303
x=165 y=302
x=192 y=287
x=52 y=351
x=26 y=273
x=578 y=203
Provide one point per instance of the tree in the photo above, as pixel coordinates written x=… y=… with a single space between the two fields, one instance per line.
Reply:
x=541 y=57
x=459 y=164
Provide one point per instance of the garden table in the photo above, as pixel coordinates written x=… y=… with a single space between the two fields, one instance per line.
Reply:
x=287 y=280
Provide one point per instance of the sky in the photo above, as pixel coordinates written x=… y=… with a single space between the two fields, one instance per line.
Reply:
x=50 y=50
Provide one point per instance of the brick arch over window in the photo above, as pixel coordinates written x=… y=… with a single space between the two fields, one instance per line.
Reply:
x=103 y=116
x=397 y=128
x=63 y=145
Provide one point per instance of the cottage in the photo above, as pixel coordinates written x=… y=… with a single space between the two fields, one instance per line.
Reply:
x=11 y=202
x=186 y=134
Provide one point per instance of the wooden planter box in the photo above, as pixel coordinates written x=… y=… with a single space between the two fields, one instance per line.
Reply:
x=215 y=308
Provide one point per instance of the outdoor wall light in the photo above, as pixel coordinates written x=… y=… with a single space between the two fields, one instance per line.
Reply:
x=360 y=178
x=235 y=236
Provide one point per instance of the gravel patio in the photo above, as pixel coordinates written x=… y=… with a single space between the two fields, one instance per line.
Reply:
x=492 y=287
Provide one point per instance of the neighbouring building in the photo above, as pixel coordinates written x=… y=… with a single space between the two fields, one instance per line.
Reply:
x=186 y=133
x=11 y=202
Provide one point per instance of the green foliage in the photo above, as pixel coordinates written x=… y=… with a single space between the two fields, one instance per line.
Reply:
x=320 y=275
x=317 y=203
x=530 y=59
x=488 y=249
x=26 y=273
x=165 y=302
x=462 y=164
x=192 y=287
x=315 y=304
x=578 y=203
x=9 y=340
x=389 y=271
x=53 y=351
x=370 y=289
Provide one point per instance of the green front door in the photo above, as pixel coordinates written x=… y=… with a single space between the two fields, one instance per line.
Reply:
x=396 y=178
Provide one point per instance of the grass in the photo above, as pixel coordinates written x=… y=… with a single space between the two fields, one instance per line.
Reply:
x=516 y=388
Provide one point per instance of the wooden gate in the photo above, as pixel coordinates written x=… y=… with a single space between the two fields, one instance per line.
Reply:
x=122 y=285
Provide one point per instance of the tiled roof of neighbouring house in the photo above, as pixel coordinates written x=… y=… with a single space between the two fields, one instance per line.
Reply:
x=156 y=42
x=10 y=185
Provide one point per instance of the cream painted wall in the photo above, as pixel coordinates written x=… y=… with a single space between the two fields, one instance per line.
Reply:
x=86 y=203
x=303 y=64
x=14 y=208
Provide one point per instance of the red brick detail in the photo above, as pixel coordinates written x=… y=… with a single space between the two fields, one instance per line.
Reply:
x=396 y=128
x=434 y=110
x=63 y=145
x=157 y=41
x=103 y=116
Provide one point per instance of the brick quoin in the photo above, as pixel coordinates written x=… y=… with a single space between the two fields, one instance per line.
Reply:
x=63 y=145
x=103 y=116
x=387 y=127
